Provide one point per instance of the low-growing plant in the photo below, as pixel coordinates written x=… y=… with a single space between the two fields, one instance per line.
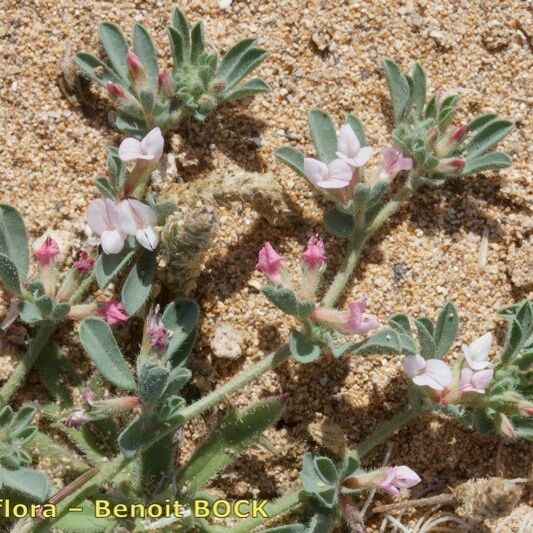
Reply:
x=125 y=425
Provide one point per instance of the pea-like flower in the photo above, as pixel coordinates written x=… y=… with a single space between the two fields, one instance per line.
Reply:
x=336 y=175
x=113 y=312
x=349 y=148
x=314 y=255
x=353 y=321
x=432 y=373
x=139 y=219
x=399 y=477
x=477 y=352
x=475 y=380
x=394 y=162
x=150 y=148
x=47 y=252
x=269 y=262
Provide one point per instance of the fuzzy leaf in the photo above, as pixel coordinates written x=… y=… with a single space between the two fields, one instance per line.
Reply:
x=100 y=344
x=288 y=302
x=180 y=317
x=425 y=338
x=152 y=382
x=399 y=89
x=27 y=481
x=481 y=121
x=197 y=42
x=30 y=313
x=341 y=224
x=96 y=69
x=179 y=23
x=246 y=63
x=400 y=323
x=144 y=47
x=115 y=46
x=13 y=239
x=357 y=127
x=386 y=341
x=323 y=134
x=232 y=58
x=9 y=274
x=486 y=162
x=105 y=188
x=513 y=341
x=418 y=97
x=302 y=349
x=22 y=419
x=130 y=440
x=446 y=330
x=138 y=284
x=231 y=437
x=179 y=53
x=291 y=157
x=109 y=266
x=249 y=88
x=488 y=136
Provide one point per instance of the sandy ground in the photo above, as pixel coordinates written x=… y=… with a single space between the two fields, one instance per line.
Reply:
x=324 y=53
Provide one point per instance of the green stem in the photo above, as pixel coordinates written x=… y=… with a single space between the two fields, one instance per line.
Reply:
x=39 y=342
x=289 y=502
x=82 y=289
x=388 y=428
x=110 y=469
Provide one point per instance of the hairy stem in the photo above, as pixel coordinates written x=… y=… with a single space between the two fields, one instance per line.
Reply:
x=78 y=294
x=39 y=342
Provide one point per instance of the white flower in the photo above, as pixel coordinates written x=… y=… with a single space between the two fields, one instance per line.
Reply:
x=432 y=373
x=477 y=352
x=336 y=175
x=475 y=381
x=104 y=219
x=139 y=219
x=349 y=148
x=149 y=149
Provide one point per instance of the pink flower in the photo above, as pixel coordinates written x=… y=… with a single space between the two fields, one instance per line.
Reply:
x=269 y=262
x=349 y=148
x=335 y=175
x=394 y=162
x=76 y=419
x=113 y=312
x=164 y=84
x=47 y=252
x=150 y=148
x=116 y=91
x=139 y=219
x=451 y=164
x=432 y=373
x=399 y=477
x=103 y=218
x=88 y=395
x=477 y=352
x=314 y=254
x=158 y=338
x=84 y=263
x=354 y=321
x=475 y=381
x=135 y=68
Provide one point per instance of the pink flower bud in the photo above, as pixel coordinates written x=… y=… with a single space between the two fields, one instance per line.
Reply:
x=314 y=254
x=398 y=477
x=84 y=263
x=394 y=162
x=88 y=395
x=158 y=337
x=164 y=84
x=113 y=312
x=135 y=68
x=354 y=321
x=76 y=419
x=269 y=263
x=116 y=91
x=47 y=252
x=450 y=164
x=506 y=427
x=458 y=134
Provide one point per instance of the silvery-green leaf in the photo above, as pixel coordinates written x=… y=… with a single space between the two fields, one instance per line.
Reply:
x=9 y=276
x=425 y=338
x=138 y=284
x=246 y=63
x=243 y=90
x=179 y=22
x=493 y=160
x=487 y=137
x=197 y=41
x=115 y=46
x=513 y=341
x=181 y=318
x=418 y=97
x=109 y=266
x=357 y=127
x=399 y=89
x=96 y=69
x=446 y=330
x=302 y=349
x=323 y=134
x=232 y=57
x=291 y=157
x=13 y=239
x=288 y=302
x=341 y=224
x=26 y=481
x=144 y=47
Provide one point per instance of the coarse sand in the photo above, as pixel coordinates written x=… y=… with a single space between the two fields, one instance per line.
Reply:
x=324 y=54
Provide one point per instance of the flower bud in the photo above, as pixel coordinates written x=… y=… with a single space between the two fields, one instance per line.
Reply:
x=158 y=336
x=313 y=265
x=506 y=426
x=47 y=252
x=269 y=262
x=116 y=91
x=113 y=312
x=451 y=164
x=135 y=68
x=164 y=85
x=76 y=419
x=85 y=263
x=448 y=142
x=207 y=102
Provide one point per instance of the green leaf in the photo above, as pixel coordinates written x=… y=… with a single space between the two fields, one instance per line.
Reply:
x=302 y=349
x=357 y=127
x=487 y=137
x=399 y=89
x=30 y=313
x=425 y=338
x=109 y=266
x=341 y=224
x=288 y=302
x=6 y=416
x=247 y=62
x=180 y=25
x=179 y=53
x=446 y=330
x=243 y=90
x=144 y=47
x=152 y=382
x=513 y=342
x=418 y=96
x=100 y=344
x=9 y=275
x=385 y=341
x=486 y=162
x=431 y=108
x=84 y=521
x=236 y=432
x=180 y=317
x=116 y=47
x=22 y=419
x=232 y=58
x=97 y=70
x=197 y=42
x=400 y=323
x=13 y=239
x=27 y=481
x=131 y=439
x=291 y=157
x=323 y=134
x=481 y=121
x=105 y=188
